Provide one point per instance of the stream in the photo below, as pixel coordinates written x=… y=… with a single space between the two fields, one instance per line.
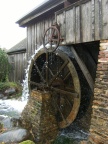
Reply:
x=12 y=108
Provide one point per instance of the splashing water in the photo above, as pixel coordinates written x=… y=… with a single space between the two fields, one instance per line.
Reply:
x=25 y=92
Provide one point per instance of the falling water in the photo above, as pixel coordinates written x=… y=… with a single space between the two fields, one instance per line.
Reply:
x=25 y=92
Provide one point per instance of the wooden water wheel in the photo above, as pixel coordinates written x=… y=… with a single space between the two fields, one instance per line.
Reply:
x=55 y=72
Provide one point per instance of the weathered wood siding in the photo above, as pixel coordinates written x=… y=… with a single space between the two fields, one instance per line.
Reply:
x=35 y=33
x=18 y=63
x=84 y=21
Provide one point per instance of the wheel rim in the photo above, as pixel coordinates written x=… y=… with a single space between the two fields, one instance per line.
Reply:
x=56 y=73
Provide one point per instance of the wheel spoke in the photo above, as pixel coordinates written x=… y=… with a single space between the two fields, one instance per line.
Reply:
x=52 y=33
x=74 y=95
x=67 y=75
x=37 y=84
x=50 y=71
x=66 y=98
x=61 y=68
x=54 y=40
x=60 y=112
x=39 y=71
x=69 y=89
x=46 y=43
x=47 y=67
x=51 y=44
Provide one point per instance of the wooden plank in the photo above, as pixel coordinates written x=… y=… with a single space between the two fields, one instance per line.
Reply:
x=22 y=67
x=29 y=42
x=46 y=24
x=37 y=35
x=33 y=39
x=49 y=21
x=84 y=69
x=13 y=77
x=53 y=20
x=25 y=63
x=93 y=19
x=70 y=26
x=61 y=22
x=46 y=27
x=97 y=30
x=77 y=25
x=16 y=68
x=41 y=31
x=86 y=20
x=105 y=19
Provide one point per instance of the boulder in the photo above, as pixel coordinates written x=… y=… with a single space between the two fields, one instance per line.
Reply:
x=14 y=136
x=10 y=91
x=9 y=123
x=1 y=95
x=6 y=122
x=2 y=117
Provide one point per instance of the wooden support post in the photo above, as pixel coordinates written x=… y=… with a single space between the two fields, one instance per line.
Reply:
x=84 y=69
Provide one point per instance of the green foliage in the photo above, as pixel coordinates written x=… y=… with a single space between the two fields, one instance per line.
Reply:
x=6 y=85
x=4 y=66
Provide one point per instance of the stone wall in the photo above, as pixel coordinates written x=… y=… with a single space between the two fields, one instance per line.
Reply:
x=39 y=118
x=99 y=121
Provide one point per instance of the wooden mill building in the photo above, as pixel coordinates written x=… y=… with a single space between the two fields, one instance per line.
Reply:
x=83 y=37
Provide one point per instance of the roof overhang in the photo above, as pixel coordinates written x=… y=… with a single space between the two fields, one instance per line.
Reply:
x=17 y=52
x=39 y=11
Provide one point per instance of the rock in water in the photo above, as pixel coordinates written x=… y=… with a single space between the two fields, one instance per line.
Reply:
x=1 y=95
x=10 y=91
x=10 y=123
x=14 y=136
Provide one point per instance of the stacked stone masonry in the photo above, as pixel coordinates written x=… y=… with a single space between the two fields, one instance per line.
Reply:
x=99 y=121
x=39 y=118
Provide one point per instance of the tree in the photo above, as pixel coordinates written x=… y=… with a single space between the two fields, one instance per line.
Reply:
x=4 y=66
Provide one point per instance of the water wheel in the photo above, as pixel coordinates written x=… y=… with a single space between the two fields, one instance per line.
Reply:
x=55 y=72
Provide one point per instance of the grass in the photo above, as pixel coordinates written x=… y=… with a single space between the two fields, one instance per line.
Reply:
x=6 y=85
